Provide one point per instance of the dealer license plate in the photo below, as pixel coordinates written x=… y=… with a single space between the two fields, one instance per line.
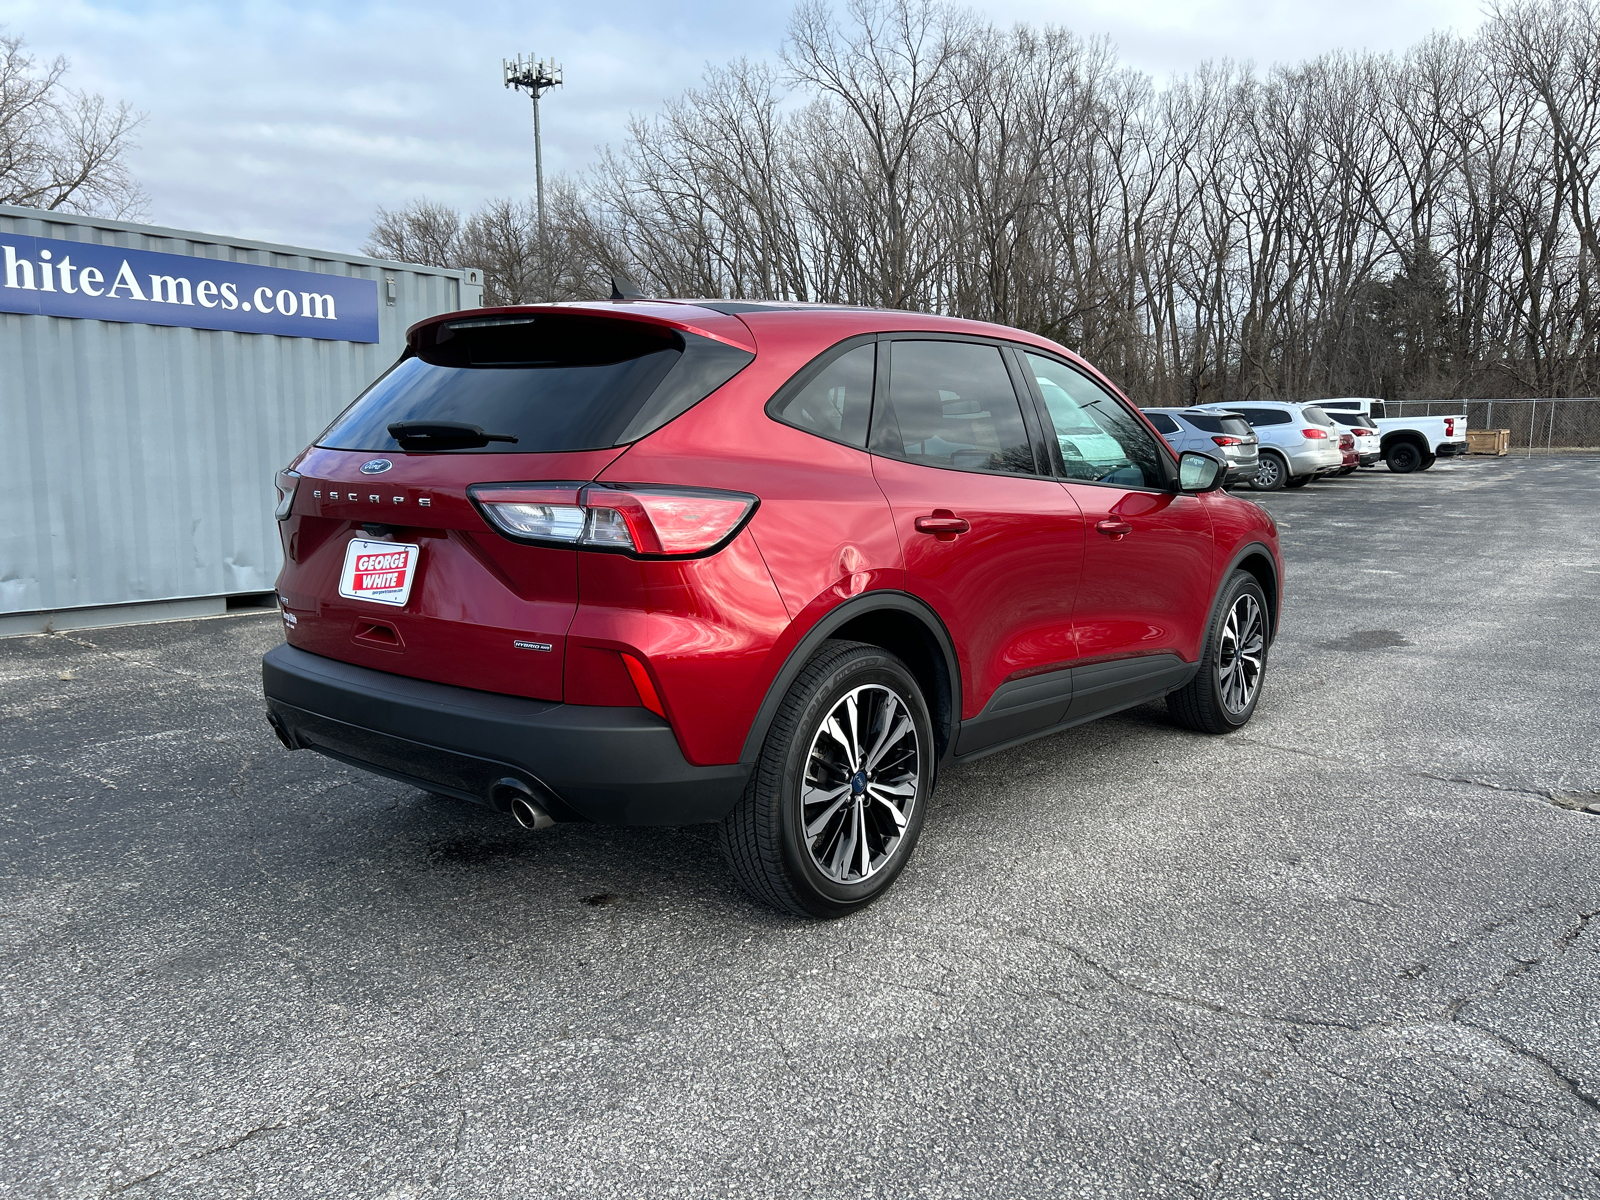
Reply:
x=378 y=571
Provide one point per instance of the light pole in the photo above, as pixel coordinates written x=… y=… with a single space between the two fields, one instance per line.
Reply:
x=535 y=77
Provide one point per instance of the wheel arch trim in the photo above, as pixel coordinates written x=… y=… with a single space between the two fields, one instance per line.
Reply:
x=1249 y=552
x=883 y=600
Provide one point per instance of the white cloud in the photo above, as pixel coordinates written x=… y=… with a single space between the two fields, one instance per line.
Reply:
x=289 y=122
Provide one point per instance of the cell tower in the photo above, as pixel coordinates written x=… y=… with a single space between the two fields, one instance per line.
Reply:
x=535 y=77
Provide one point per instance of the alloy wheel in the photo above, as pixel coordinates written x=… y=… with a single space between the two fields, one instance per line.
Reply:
x=1239 y=653
x=861 y=784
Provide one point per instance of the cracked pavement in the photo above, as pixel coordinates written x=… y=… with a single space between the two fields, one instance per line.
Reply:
x=1350 y=951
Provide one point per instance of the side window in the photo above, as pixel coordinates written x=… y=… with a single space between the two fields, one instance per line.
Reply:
x=1101 y=441
x=1263 y=416
x=951 y=404
x=835 y=402
x=1162 y=422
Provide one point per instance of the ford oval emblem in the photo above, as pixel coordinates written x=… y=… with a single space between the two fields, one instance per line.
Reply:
x=375 y=466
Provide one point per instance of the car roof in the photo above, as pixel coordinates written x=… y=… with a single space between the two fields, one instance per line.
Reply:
x=1233 y=404
x=1214 y=410
x=748 y=323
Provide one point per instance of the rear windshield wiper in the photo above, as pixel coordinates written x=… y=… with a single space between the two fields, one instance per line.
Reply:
x=442 y=435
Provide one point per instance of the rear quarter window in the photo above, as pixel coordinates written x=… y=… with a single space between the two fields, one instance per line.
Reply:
x=1205 y=422
x=551 y=383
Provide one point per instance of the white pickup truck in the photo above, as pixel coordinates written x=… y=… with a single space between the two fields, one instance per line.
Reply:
x=1409 y=443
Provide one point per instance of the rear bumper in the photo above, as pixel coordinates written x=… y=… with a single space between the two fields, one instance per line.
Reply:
x=1240 y=470
x=615 y=766
x=1315 y=458
x=1450 y=449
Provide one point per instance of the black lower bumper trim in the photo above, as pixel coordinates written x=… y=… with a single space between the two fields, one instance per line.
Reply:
x=616 y=766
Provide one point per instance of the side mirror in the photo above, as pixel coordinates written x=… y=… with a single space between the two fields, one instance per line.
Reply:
x=1200 y=472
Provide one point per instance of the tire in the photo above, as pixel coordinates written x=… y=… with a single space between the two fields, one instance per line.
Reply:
x=1404 y=457
x=1298 y=481
x=1271 y=473
x=1427 y=461
x=819 y=872
x=1224 y=692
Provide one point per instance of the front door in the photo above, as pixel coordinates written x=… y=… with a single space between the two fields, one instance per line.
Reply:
x=1145 y=595
x=989 y=539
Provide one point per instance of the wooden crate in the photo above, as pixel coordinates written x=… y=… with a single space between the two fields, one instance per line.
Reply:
x=1488 y=441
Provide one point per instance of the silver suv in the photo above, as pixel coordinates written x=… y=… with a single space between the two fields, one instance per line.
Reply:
x=1299 y=442
x=1219 y=434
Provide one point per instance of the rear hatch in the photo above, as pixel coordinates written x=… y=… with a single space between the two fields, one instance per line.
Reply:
x=389 y=561
x=1228 y=435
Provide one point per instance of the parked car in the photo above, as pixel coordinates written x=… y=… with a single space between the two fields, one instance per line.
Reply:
x=1211 y=433
x=1347 y=448
x=1298 y=442
x=1362 y=430
x=1408 y=443
x=654 y=563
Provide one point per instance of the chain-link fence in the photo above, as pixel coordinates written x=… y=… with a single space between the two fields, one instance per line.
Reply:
x=1537 y=426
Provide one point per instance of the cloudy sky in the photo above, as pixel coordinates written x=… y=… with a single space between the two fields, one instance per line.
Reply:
x=291 y=122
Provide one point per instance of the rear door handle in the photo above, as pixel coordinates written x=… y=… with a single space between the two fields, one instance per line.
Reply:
x=1114 y=529
x=941 y=525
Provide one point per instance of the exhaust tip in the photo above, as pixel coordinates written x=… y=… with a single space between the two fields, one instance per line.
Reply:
x=283 y=734
x=517 y=798
x=530 y=815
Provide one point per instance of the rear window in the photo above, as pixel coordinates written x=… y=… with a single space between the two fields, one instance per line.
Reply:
x=1316 y=416
x=1264 y=416
x=1204 y=422
x=538 y=384
x=1237 y=426
x=1352 y=419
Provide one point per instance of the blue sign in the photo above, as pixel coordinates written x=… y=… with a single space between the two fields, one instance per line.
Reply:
x=107 y=283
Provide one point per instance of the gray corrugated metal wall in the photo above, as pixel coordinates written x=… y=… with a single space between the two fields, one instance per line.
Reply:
x=136 y=461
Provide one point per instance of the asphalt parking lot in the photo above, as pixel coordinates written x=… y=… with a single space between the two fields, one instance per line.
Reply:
x=1347 y=952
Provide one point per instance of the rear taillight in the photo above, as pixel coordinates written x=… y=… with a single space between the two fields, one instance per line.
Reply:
x=286 y=482
x=1347 y=441
x=637 y=519
x=1315 y=433
x=1449 y=427
x=1224 y=440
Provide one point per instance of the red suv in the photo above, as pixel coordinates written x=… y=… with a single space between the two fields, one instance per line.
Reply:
x=768 y=565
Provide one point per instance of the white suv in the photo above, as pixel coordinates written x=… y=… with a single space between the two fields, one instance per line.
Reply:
x=1299 y=442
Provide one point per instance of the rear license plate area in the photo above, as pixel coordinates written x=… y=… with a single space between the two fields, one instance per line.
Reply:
x=380 y=572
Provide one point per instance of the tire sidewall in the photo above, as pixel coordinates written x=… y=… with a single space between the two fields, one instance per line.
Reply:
x=1404 y=458
x=865 y=668
x=1242 y=584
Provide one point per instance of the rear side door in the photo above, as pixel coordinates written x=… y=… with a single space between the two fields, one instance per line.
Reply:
x=1146 y=589
x=990 y=539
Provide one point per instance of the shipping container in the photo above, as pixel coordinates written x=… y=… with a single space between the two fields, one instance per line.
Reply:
x=151 y=382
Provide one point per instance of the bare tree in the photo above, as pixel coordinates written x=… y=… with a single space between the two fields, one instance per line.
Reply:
x=59 y=148
x=1402 y=226
x=423 y=232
